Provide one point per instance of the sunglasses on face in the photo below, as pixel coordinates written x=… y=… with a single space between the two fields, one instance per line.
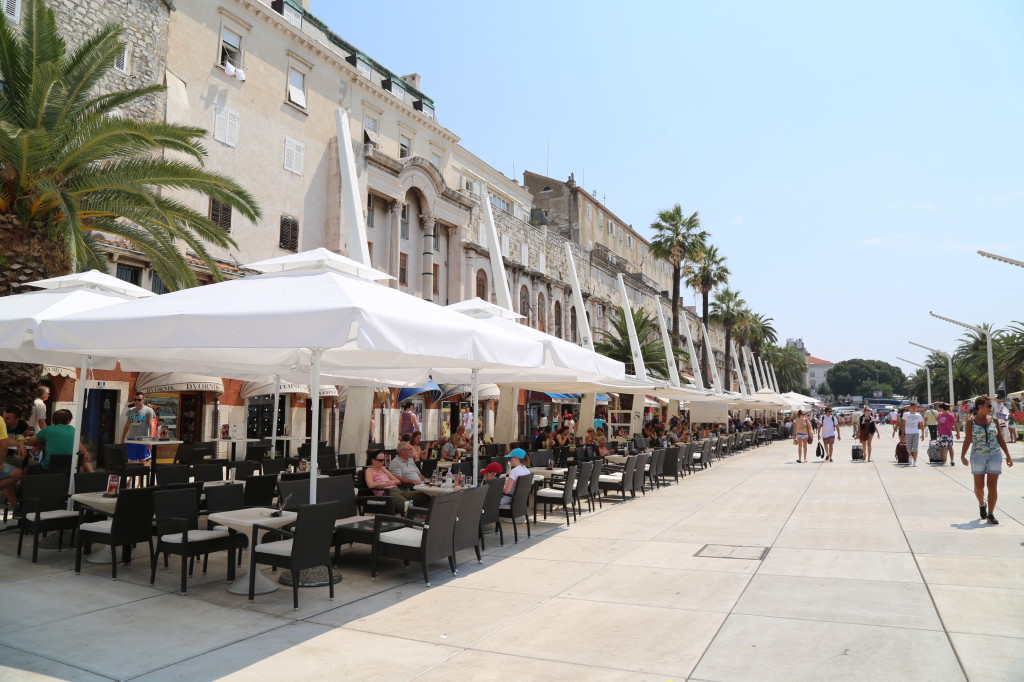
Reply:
x=378 y=459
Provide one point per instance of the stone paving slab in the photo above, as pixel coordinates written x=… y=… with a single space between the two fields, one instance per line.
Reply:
x=872 y=571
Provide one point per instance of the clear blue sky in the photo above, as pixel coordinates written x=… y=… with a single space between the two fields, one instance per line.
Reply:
x=848 y=158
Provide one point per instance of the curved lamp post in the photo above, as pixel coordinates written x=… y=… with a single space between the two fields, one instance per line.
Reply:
x=927 y=374
x=1001 y=259
x=949 y=361
x=988 y=343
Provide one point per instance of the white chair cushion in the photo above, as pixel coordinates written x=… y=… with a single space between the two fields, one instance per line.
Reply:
x=407 y=537
x=550 y=492
x=195 y=536
x=610 y=478
x=280 y=547
x=50 y=515
x=97 y=526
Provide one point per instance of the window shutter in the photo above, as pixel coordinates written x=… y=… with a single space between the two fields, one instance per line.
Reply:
x=12 y=8
x=506 y=245
x=289 y=233
x=524 y=254
x=120 y=61
x=225 y=126
x=481 y=233
x=293 y=154
x=542 y=264
x=220 y=213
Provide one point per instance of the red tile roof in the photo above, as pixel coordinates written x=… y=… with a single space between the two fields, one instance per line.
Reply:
x=811 y=360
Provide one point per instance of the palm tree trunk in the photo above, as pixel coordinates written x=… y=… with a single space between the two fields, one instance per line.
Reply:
x=728 y=376
x=28 y=255
x=676 y=275
x=704 y=350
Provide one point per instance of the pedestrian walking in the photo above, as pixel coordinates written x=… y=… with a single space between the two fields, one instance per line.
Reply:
x=896 y=418
x=865 y=430
x=828 y=432
x=931 y=420
x=910 y=432
x=946 y=423
x=982 y=436
x=802 y=435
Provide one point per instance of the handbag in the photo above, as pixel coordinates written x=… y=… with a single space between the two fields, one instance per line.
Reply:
x=820 y=452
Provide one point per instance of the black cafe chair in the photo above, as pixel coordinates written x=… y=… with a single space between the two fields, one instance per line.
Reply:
x=43 y=500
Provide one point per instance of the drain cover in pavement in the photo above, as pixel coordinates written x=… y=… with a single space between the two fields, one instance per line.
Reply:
x=732 y=552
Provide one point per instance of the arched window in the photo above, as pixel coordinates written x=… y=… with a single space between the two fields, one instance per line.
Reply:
x=558 y=319
x=542 y=313
x=524 y=305
x=481 y=285
x=574 y=336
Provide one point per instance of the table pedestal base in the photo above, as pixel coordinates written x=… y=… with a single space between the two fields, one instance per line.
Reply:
x=241 y=584
x=309 y=577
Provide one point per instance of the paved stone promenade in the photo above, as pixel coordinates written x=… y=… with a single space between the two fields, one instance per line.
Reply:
x=869 y=572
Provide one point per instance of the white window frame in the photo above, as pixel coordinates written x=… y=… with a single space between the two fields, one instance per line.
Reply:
x=506 y=245
x=120 y=61
x=481 y=233
x=435 y=159
x=629 y=241
x=611 y=227
x=402 y=140
x=239 y=49
x=542 y=262
x=501 y=203
x=365 y=69
x=369 y=210
x=294 y=94
x=294 y=152
x=524 y=254
x=600 y=311
x=371 y=122
x=12 y=10
x=226 y=126
x=403 y=222
x=590 y=213
x=292 y=15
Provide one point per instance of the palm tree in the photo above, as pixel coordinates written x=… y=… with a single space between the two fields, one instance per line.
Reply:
x=676 y=237
x=705 y=274
x=789 y=364
x=728 y=309
x=761 y=332
x=71 y=168
x=972 y=357
x=1009 y=357
x=615 y=343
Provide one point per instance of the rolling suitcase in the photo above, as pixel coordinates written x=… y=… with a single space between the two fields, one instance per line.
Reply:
x=934 y=452
x=902 y=454
x=857 y=454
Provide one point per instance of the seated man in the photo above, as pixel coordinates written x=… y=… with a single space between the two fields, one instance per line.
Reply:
x=59 y=439
x=515 y=470
x=446 y=451
x=14 y=455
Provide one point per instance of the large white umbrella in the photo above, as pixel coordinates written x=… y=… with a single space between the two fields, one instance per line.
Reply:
x=316 y=316
x=22 y=314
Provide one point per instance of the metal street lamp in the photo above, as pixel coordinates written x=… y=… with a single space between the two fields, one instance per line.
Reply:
x=927 y=374
x=988 y=341
x=1001 y=259
x=949 y=361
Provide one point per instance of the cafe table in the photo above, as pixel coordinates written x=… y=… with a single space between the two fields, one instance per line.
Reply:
x=616 y=459
x=432 y=490
x=287 y=442
x=545 y=473
x=152 y=442
x=234 y=444
x=242 y=521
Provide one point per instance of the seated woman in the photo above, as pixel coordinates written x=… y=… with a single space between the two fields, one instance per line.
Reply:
x=622 y=433
x=461 y=441
x=417 y=450
x=382 y=482
x=562 y=437
x=543 y=439
x=602 y=448
x=590 y=438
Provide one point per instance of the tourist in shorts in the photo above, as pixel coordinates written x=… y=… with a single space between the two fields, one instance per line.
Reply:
x=910 y=432
x=828 y=431
x=865 y=429
x=140 y=424
x=802 y=435
x=947 y=423
x=982 y=436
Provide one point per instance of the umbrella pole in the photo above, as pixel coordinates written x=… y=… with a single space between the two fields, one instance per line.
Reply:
x=476 y=431
x=314 y=391
x=273 y=418
x=79 y=409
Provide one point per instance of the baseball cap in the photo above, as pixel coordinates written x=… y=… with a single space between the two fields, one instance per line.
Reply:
x=492 y=468
x=518 y=453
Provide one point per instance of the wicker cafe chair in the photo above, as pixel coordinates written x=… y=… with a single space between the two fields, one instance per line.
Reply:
x=519 y=507
x=132 y=522
x=563 y=496
x=467 y=524
x=422 y=541
x=178 y=533
x=307 y=546
x=43 y=499
x=490 y=520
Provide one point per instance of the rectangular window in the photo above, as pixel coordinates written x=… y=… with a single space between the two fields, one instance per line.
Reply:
x=506 y=245
x=611 y=228
x=590 y=212
x=501 y=203
x=289 y=234
x=292 y=15
x=293 y=153
x=542 y=262
x=157 y=285
x=225 y=126
x=121 y=60
x=12 y=10
x=404 y=147
x=220 y=214
x=403 y=270
x=435 y=159
x=297 y=87
x=129 y=273
x=230 y=48
x=437 y=238
x=629 y=241
x=364 y=69
x=405 y=222
x=524 y=254
x=437 y=276
x=481 y=233
x=369 y=210
x=600 y=312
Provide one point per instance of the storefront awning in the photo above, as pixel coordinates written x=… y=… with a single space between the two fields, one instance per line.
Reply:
x=175 y=382
x=59 y=371
x=431 y=390
x=251 y=389
x=604 y=398
x=563 y=397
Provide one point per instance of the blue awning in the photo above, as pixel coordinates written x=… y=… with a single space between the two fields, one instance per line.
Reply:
x=563 y=397
x=429 y=387
x=603 y=398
